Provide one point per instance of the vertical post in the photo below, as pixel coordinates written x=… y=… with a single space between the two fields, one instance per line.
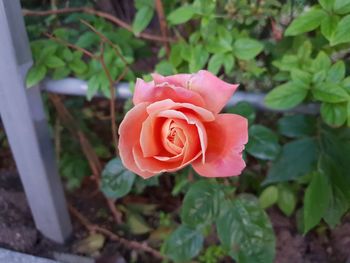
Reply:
x=25 y=124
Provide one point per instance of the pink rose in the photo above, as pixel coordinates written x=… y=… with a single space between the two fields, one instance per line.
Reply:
x=176 y=122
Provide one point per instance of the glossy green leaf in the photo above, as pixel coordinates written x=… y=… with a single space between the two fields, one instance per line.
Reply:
x=36 y=74
x=334 y=114
x=183 y=244
x=285 y=96
x=175 y=54
x=329 y=25
x=199 y=57
x=330 y=92
x=286 y=200
x=87 y=40
x=327 y=4
x=268 y=196
x=342 y=6
x=263 y=143
x=142 y=18
x=54 y=62
x=215 y=62
x=244 y=109
x=337 y=206
x=295 y=126
x=245 y=230
x=201 y=204
x=60 y=73
x=337 y=72
x=303 y=152
x=229 y=63
x=116 y=181
x=181 y=15
x=321 y=62
x=165 y=68
x=342 y=32
x=247 y=48
x=306 y=22
x=316 y=200
x=78 y=66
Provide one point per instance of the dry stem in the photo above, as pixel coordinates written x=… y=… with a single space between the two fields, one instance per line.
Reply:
x=163 y=24
x=91 y=11
x=127 y=243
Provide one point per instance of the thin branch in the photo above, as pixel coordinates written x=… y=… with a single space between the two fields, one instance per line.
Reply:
x=63 y=42
x=107 y=40
x=163 y=24
x=91 y=11
x=127 y=243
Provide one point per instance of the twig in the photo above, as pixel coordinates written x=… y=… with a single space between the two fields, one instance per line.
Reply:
x=163 y=24
x=107 y=40
x=112 y=101
x=86 y=147
x=91 y=11
x=127 y=243
x=65 y=43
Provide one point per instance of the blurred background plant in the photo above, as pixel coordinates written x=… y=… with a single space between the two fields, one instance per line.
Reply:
x=297 y=51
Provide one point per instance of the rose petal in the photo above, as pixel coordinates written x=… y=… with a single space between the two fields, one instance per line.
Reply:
x=227 y=136
x=129 y=135
x=150 y=92
x=150 y=136
x=214 y=91
x=167 y=104
x=191 y=151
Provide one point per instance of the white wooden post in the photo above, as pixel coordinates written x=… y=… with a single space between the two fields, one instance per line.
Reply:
x=25 y=124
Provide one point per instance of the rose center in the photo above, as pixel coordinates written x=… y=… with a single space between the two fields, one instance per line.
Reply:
x=174 y=139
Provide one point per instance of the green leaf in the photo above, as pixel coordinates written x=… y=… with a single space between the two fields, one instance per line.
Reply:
x=263 y=143
x=199 y=58
x=337 y=206
x=93 y=87
x=181 y=15
x=60 y=73
x=247 y=48
x=329 y=25
x=306 y=22
x=321 y=62
x=342 y=6
x=286 y=200
x=303 y=152
x=342 y=32
x=78 y=66
x=330 y=92
x=316 y=200
x=165 y=68
x=301 y=78
x=183 y=244
x=87 y=40
x=175 y=54
x=229 y=63
x=142 y=19
x=116 y=181
x=268 y=196
x=245 y=230
x=296 y=126
x=36 y=74
x=54 y=62
x=337 y=72
x=326 y=4
x=334 y=114
x=201 y=204
x=285 y=96
x=244 y=109
x=216 y=62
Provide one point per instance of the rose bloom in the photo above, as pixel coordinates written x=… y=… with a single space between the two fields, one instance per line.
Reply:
x=176 y=122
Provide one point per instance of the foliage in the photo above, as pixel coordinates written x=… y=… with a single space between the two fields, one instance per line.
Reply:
x=297 y=163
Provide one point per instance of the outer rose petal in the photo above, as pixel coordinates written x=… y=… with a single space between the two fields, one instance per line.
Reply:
x=150 y=92
x=214 y=91
x=129 y=136
x=227 y=136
